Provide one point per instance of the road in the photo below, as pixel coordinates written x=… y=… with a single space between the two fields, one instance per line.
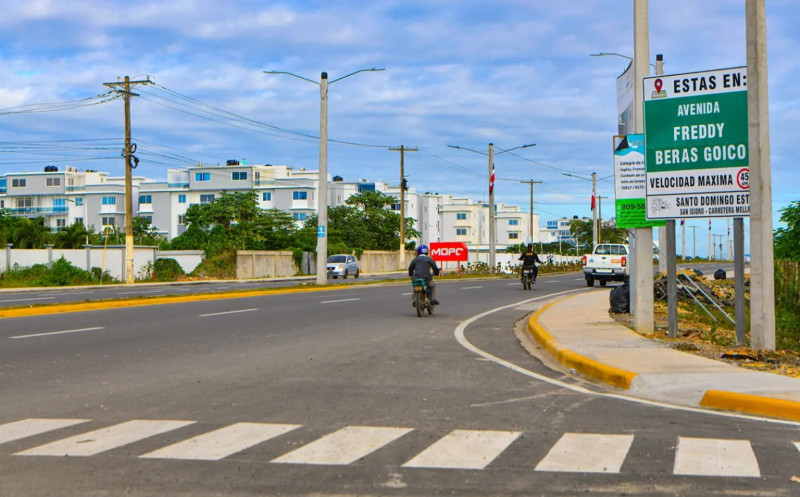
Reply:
x=347 y=392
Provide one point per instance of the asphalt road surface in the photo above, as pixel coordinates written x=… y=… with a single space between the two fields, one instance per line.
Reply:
x=348 y=392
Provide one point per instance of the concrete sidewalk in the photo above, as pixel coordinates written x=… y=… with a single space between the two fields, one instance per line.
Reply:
x=580 y=334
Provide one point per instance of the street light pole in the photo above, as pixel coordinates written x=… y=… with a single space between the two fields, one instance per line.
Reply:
x=491 y=154
x=322 y=190
x=530 y=213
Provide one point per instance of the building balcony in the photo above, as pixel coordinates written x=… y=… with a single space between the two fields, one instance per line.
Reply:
x=45 y=211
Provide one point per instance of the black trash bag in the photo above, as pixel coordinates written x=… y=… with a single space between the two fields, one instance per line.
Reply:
x=720 y=274
x=620 y=299
x=697 y=272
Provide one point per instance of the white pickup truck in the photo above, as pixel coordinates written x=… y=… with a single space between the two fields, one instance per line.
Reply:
x=608 y=262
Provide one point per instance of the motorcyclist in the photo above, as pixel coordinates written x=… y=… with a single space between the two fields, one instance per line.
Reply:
x=424 y=267
x=529 y=259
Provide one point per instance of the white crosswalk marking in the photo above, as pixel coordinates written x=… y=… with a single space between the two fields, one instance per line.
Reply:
x=464 y=449
x=714 y=457
x=221 y=443
x=34 y=426
x=344 y=446
x=587 y=453
x=97 y=441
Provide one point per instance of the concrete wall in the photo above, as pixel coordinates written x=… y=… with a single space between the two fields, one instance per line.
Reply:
x=264 y=264
x=110 y=258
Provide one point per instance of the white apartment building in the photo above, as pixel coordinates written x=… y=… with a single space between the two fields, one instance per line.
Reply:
x=98 y=200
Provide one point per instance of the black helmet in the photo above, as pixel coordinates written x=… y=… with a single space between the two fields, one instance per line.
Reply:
x=530 y=246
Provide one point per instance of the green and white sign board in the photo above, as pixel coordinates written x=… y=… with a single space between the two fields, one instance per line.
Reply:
x=696 y=154
x=629 y=183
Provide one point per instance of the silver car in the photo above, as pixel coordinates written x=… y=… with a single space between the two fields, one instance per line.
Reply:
x=343 y=265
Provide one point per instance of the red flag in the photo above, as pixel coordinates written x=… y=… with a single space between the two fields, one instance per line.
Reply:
x=683 y=221
x=709 y=225
x=592 y=202
x=491 y=181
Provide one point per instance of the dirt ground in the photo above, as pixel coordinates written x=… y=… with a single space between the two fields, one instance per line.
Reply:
x=699 y=338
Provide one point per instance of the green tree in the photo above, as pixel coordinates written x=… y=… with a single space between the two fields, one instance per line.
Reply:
x=232 y=219
x=32 y=233
x=786 y=241
x=72 y=236
x=276 y=229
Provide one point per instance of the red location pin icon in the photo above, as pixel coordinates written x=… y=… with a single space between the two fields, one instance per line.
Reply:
x=658 y=84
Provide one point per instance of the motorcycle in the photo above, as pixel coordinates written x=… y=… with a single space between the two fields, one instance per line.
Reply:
x=527 y=277
x=422 y=297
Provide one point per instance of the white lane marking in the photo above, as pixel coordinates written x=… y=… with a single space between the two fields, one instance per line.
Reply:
x=587 y=453
x=97 y=441
x=27 y=300
x=344 y=446
x=70 y=293
x=33 y=426
x=408 y=293
x=221 y=443
x=226 y=312
x=579 y=279
x=81 y=330
x=509 y=284
x=140 y=292
x=464 y=449
x=715 y=457
x=461 y=338
x=336 y=301
x=471 y=287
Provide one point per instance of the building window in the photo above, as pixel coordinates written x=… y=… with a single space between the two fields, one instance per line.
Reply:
x=513 y=222
x=299 y=195
x=181 y=218
x=149 y=219
x=59 y=202
x=461 y=231
x=266 y=196
x=25 y=202
x=61 y=223
x=202 y=176
x=78 y=220
x=299 y=216
x=395 y=207
x=145 y=199
x=461 y=216
x=207 y=199
x=239 y=175
x=79 y=201
x=108 y=221
x=513 y=236
x=109 y=201
x=18 y=183
x=182 y=198
x=53 y=182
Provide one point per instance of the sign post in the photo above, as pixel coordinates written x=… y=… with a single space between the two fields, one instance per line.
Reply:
x=697 y=163
x=449 y=251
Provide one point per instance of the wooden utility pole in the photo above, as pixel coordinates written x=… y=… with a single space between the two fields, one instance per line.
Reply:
x=530 y=211
x=125 y=90
x=402 y=149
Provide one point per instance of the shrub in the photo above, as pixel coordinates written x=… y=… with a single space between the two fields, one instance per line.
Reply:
x=166 y=269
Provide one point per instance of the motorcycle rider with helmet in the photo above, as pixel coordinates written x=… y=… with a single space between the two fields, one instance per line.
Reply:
x=529 y=259
x=424 y=267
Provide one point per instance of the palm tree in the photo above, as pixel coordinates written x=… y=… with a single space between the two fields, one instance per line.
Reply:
x=32 y=233
x=72 y=236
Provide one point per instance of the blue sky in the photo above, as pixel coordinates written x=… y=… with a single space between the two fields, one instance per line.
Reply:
x=460 y=72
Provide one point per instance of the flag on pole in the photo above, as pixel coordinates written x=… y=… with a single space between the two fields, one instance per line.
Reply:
x=491 y=180
x=709 y=224
x=683 y=221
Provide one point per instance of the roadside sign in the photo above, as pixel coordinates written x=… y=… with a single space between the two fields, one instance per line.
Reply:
x=629 y=183
x=449 y=251
x=320 y=231
x=696 y=159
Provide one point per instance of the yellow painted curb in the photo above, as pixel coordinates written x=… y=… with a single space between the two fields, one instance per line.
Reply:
x=139 y=302
x=751 y=404
x=589 y=367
